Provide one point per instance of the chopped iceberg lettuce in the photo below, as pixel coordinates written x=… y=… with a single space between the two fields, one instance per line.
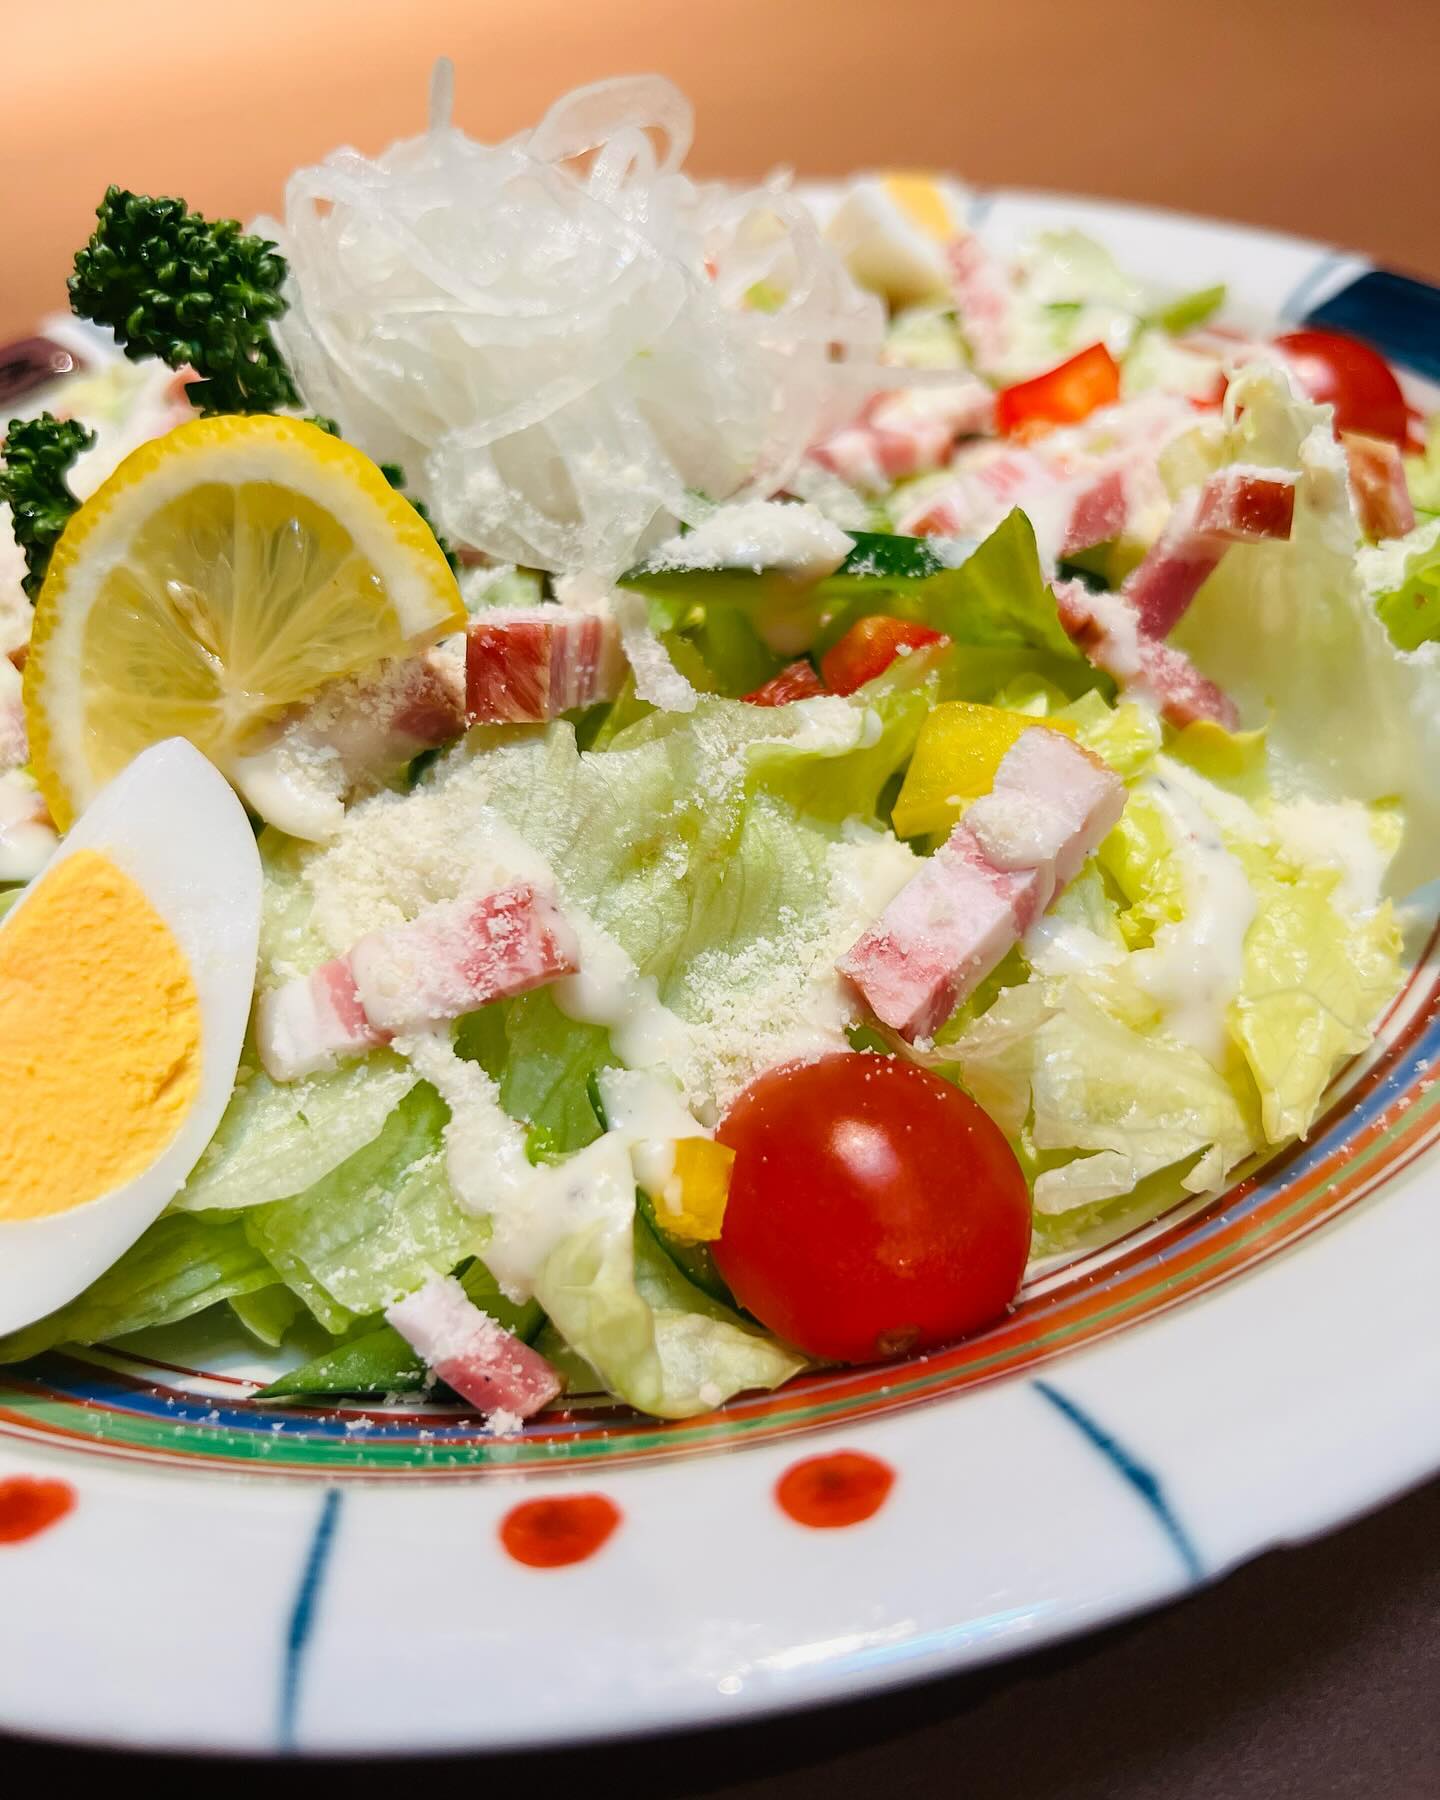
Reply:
x=279 y=1138
x=181 y=1265
x=1290 y=632
x=375 y=1227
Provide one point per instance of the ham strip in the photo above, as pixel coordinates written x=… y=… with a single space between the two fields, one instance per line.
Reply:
x=452 y=959
x=1051 y=804
x=466 y=1349
x=1236 y=505
x=1378 y=484
x=910 y=433
x=525 y=667
x=1108 y=629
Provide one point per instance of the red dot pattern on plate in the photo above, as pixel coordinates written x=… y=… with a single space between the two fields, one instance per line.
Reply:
x=845 y=1488
x=552 y=1534
x=30 y=1505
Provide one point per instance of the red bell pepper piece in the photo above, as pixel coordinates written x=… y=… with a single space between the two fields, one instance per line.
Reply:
x=869 y=647
x=1061 y=396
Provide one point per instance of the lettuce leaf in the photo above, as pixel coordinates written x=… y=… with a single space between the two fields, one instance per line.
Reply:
x=1291 y=632
x=1314 y=980
x=1422 y=472
x=278 y=1138
x=1409 y=601
x=623 y=1307
x=375 y=1227
x=181 y=1265
x=1048 y=1059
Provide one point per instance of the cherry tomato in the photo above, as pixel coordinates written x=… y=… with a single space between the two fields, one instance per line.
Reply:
x=869 y=647
x=1061 y=396
x=874 y=1209
x=796 y=681
x=1350 y=376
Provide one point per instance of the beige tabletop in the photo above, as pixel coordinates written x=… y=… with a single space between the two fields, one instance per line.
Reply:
x=1316 y=115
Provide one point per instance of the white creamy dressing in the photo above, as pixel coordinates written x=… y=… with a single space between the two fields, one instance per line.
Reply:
x=26 y=840
x=1337 y=835
x=1196 y=964
x=1058 y=946
x=646 y=1110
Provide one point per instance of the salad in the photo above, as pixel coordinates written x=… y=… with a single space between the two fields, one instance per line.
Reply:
x=618 y=787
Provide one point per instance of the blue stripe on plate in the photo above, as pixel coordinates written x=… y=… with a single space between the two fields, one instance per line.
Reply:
x=302 y=1616
x=1397 y=315
x=1136 y=1476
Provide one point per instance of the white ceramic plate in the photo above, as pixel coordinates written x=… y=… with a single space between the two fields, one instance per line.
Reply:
x=1248 y=1370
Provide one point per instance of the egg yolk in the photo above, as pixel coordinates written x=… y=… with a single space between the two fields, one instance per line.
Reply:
x=99 y=1038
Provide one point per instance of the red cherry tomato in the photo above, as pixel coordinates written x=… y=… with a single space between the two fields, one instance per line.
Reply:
x=796 y=681
x=1350 y=376
x=1061 y=396
x=869 y=647
x=874 y=1209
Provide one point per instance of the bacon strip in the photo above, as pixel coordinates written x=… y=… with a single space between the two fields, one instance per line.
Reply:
x=1377 y=481
x=525 y=667
x=452 y=959
x=947 y=928
x=1107 y=627
x=981 y=289
x=910 y=433
x=313 y=1023
x=460 y=955
x=351 y=739
x=1236 y=505
x=485 y=1364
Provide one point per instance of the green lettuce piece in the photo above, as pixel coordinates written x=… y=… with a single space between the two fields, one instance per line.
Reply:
x=268 y=1313
x=1410 y=611
x=1049 y=1060
x=1127 y=736
x=374 y=1228
x=1189 y=310
x=181 y=1265
x=1314 y=980
x=625 y=1309
x=375 y=1359
x=278 y=1138
x=1290 y=631
x=997 y=599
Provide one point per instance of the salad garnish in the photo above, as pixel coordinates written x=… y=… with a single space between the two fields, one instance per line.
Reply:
x=622 y=788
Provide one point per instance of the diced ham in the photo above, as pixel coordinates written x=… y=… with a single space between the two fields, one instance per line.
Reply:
x=904 y=434
x=470 y=1352
x=982 y=294
x=1245 y=505
x=459 y=955
x=1175 y=568
x=314 y=1023
x=452 y=959
x=1107 y=628
x=1051 y=804
x=523 y=667
x=1377 y=481
x=350 y=740
x=1097 y=514
x=1237 y=504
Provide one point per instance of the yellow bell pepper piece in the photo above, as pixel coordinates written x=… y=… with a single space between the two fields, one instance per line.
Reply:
x=691 y=1202
x=956 y=755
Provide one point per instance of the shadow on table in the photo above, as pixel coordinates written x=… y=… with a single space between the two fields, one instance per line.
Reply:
x=1312 y=1673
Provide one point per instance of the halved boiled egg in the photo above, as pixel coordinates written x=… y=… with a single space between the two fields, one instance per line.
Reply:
x=126 y=974
x=892 y=230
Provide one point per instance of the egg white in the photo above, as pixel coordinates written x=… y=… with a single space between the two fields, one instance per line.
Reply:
x=175 y=826
x=883 y=247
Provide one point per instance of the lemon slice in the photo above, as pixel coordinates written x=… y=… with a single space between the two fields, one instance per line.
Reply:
x=223 y=574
